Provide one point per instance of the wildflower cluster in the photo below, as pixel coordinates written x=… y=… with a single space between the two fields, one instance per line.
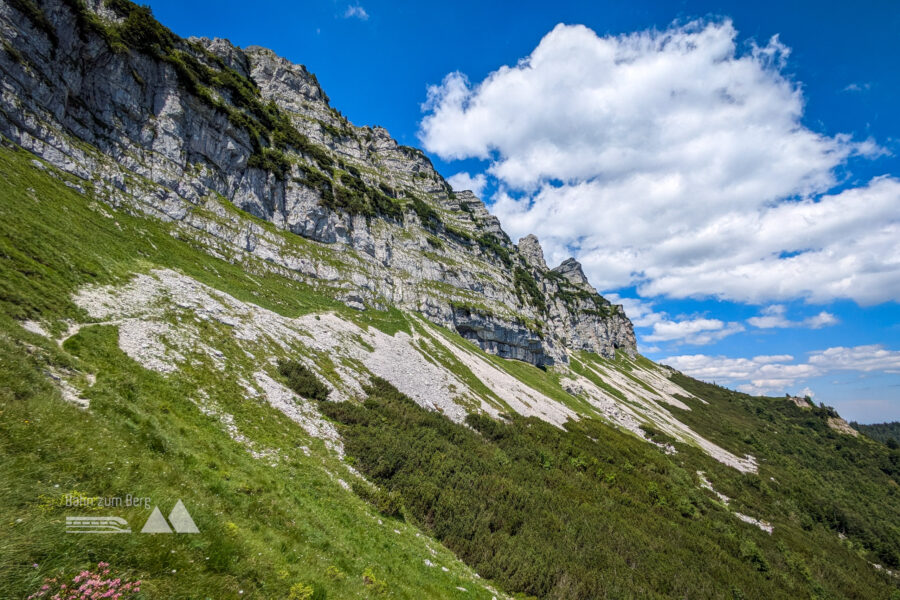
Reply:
x=89 y=585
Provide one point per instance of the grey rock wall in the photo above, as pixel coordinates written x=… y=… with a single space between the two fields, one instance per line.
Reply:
x=125 y=123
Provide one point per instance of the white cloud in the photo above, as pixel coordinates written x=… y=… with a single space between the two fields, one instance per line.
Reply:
x=807 y=393
x=698 y=332
x=775 y=374
x=355 y=11
x=759 y=368
x=676 y=162
x=463 y=181
x=772 y=358
x=859 y=358
x=772 y=317
x=775 y=317
x=857 y=87
x=823 y=319
x=758 y=375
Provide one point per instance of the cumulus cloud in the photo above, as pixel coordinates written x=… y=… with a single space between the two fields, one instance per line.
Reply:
x=761 y=373
x=675 y=161
x=776 y=373
x=355 y=11
x=823 y=319
x=698 y=332
x=859 y=358
x=463 y=181
x=774 y=316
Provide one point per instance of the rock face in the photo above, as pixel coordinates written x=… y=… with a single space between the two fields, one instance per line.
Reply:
x=531 y=251
x=842 y=426
x=571 y=270
x=187 y=130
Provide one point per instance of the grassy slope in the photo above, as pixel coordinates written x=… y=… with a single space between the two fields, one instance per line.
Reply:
x=266 y=528
x=263 y=528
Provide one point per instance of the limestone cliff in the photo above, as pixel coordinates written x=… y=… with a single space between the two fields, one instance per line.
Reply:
x=185 y=130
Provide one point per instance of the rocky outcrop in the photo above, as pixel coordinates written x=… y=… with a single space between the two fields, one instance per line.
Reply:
x=185 y=130
x=800 y=401
x=842 y=426
x=571 y=270
x=506 y=340
x=531 y=251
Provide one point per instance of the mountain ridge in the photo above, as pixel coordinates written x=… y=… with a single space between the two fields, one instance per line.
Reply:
x=198 y=118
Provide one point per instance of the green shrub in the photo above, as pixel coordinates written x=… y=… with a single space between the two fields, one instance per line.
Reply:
x=489 y=242
x=752 y=554
x=461 y=235
x=13 y=53
x=305 y=591
x=144 y=33
x=352 y=195
x=302 y=380
x=527 y=288
x=385 y=205
x=378 y=586
x=270 y=159
x=427 y=216
x=388 y=503
x=318 y=181
x=301 y=591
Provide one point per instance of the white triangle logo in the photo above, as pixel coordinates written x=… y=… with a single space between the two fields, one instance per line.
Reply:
x=181 y=519
x=156 y=523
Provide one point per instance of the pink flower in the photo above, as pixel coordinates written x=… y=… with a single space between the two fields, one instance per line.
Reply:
x=90 y=585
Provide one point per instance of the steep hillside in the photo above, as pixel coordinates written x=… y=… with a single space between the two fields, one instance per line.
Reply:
x=185 y=129
x=215 y=289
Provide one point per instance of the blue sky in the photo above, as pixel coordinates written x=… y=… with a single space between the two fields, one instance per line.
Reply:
x=738 y=192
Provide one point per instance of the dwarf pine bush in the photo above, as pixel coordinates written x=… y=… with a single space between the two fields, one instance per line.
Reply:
x=303 y=381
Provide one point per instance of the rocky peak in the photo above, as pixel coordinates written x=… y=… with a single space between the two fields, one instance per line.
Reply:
x=531 y=251
x=484 y=220
x=572 y=271
x=183 y=130
x=288 y=84
x=230 y=54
